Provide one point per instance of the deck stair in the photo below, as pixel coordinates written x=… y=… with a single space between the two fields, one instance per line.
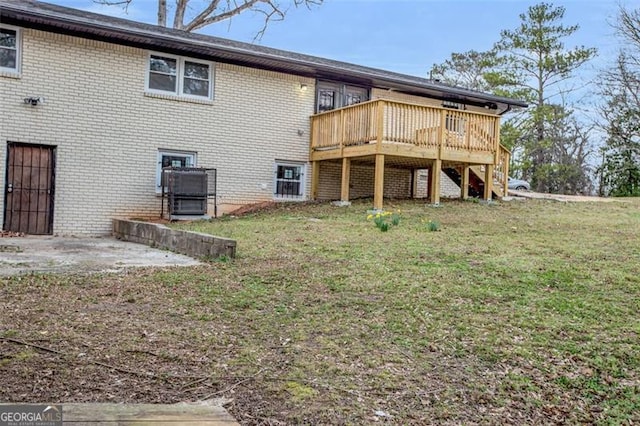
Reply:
x=476 y=181
x=476 y=186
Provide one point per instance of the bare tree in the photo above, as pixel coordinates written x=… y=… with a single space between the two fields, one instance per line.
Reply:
x=191 y=15
x=620 y=113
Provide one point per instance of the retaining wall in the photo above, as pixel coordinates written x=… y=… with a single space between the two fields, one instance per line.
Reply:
x=192 y=244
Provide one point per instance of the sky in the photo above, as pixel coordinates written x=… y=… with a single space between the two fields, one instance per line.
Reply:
x=406 y=36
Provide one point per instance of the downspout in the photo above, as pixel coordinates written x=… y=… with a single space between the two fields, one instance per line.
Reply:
x=505 y=184
x=506 y=110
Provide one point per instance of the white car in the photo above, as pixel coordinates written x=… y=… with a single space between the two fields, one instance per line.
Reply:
x=519 y=184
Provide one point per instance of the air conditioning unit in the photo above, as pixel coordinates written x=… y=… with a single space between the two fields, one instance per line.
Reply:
x=192 y=206
x=189 y=183
x=187 y=190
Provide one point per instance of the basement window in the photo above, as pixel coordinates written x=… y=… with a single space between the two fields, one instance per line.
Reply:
x=9 y=49
x=168 y=158
x=175 y=75
x=289 y=183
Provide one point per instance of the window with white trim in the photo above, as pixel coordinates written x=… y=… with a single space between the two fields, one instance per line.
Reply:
x=9 y=49
x=289 y=181
x=175 y=75
x=168 y=158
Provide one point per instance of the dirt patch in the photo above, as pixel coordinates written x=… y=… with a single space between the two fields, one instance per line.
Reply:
x=254 y=208
x=10 y=234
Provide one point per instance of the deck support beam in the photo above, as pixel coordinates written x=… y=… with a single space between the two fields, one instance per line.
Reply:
x=434 y=182
x=315 y=176
x=464 y=182
x=378 y=193
x=346 y=178
x=488 y=181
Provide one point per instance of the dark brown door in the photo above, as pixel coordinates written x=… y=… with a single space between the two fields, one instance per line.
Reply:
x=29 y=188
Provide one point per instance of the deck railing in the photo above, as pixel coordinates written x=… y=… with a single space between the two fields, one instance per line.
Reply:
x=382 y=121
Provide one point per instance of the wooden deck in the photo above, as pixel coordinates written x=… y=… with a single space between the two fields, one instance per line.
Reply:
x=410 y=136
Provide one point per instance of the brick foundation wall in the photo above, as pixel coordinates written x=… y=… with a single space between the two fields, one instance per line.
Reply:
x=397 y=182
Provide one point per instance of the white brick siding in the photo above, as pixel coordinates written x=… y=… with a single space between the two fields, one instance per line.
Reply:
x=108 y=131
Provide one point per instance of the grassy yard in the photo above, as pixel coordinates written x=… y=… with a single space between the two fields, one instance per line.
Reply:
x=514 y=312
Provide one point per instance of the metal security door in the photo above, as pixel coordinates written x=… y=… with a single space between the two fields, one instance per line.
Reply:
x=29 y=189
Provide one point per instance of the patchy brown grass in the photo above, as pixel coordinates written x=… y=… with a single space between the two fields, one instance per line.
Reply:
x=520 y=312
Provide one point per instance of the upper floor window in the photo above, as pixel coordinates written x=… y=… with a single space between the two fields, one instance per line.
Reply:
x=180 y=76
x=335 y=95
x=9 y=49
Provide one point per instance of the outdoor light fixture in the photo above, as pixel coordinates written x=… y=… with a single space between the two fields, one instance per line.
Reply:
x=303 y=87
x=34 y=100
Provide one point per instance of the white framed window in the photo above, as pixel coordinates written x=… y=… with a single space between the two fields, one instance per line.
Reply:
x=179 y=76
x=170 y=158
x=289 y=180
x=10 y=49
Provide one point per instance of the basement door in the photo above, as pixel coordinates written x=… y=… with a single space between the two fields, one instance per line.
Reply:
x=29 y=188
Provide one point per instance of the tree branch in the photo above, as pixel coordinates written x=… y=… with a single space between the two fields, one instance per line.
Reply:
x=178 y=17
x=213 y=5
x=208 y=20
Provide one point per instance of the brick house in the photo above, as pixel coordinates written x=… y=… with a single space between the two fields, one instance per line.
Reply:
x=93 y=107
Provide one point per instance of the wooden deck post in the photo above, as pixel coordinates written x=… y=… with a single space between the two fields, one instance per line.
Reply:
x=342 y=132
x=380 y=128
x=464 y=182
x=346 y=178
x=414 y=183
x=442 y=133
x=378 y=193
x=488 y=181
x=434 y=182
x=315 y=176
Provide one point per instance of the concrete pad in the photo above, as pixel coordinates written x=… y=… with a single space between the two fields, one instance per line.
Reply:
x=19 y=255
